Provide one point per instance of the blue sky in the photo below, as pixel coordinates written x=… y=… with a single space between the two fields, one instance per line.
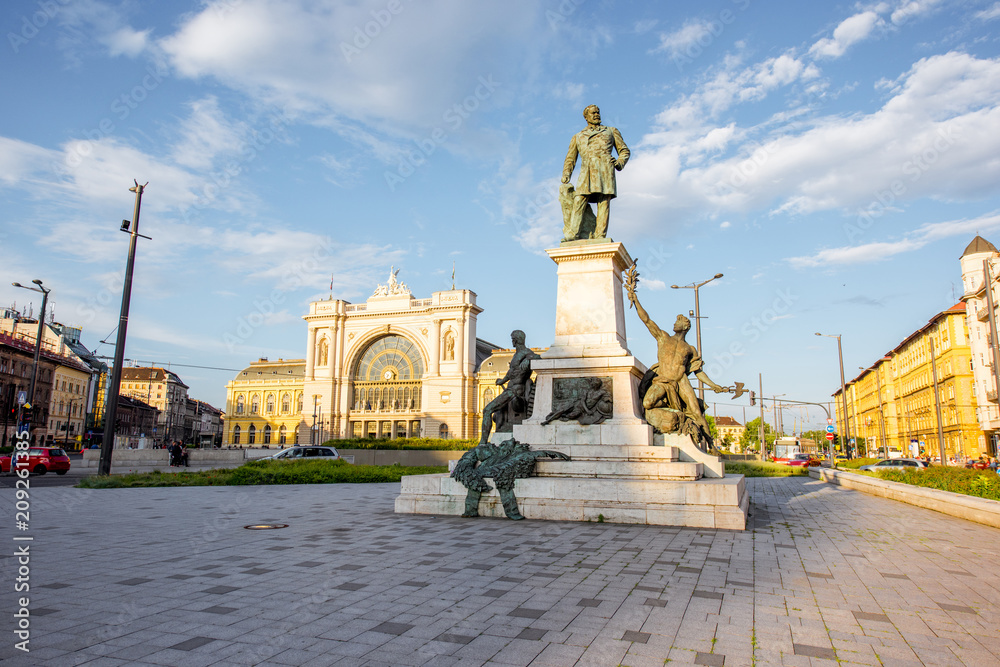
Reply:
x=831 y=159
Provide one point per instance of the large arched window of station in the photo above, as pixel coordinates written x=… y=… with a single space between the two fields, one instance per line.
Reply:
x=388 y=377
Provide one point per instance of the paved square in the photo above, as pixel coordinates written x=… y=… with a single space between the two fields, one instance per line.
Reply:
x=169 y=576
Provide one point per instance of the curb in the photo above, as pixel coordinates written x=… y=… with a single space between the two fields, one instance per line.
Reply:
x=980 y=510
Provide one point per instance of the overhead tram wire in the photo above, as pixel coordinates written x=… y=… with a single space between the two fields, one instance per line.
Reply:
x=169 y=363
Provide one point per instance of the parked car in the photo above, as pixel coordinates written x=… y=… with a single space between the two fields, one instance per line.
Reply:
x=294 y=453
x=803 y=460
x=40 y=461
x=896 y=464
x=978 y=464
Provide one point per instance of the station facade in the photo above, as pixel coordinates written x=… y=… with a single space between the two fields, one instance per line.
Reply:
x=394 y=366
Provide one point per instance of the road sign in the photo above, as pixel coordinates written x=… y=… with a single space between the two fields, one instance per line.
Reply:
x=22 y=397
x=830 y=429
x=829 y=436
x=829 y=420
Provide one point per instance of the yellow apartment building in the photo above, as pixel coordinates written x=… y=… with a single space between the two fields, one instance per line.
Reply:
x=893 y=403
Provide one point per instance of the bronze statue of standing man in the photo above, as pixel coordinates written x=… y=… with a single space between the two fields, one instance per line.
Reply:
x=594 y=144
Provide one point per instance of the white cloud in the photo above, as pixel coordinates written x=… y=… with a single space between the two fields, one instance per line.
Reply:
x=725 y=225
x=316 y=58
x=571 y=92
x=126 y=41
x=912 y=9
x=652 y=284
x=879 y=250
x=989 y=13
x=677 y=42
x=22 y=163
x=644 y=26
x=206 y=134
x=936 y=136
x=850 y=31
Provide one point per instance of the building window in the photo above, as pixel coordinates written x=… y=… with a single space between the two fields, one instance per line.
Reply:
x=240 y=405
x=300 y=404
x=286 y=404
x=252 y=435
x=255 y=405
x=267 y=434
x=270 y=404
x=236 y=435
x=443 y=431
x=282 y=434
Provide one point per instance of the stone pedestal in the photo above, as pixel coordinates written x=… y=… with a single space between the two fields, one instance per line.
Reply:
x=619 y=470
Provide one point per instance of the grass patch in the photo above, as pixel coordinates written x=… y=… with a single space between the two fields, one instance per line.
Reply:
x=265 y=472
x=977 y=483
x=764 y=469
x=403 y=443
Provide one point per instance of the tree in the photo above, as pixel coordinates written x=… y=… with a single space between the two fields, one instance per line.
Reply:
x=751 y=435
x=713 y=430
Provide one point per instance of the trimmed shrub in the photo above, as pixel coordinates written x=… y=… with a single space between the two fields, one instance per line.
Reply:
x=403 y=443
x=266 y=472
x=854 y=464
x=763 y=469
x=978 y=483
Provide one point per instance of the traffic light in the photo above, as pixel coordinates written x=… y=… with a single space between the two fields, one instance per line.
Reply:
x=753 y=398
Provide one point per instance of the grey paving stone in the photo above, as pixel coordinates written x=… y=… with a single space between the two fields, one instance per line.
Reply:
x=912 y=581
x=392 y=628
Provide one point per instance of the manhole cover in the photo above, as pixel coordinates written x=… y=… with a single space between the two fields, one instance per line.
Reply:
x=266 y=526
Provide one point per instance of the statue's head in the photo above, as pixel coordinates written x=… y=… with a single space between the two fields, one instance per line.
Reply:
x=595 y=383
x=682 y=324
x=592 y=114
x=517 y=337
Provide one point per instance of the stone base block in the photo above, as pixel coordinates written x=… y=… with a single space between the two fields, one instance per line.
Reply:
x=705 y=503
x=623 y=469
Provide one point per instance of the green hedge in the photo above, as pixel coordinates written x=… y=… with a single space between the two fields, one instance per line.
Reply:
x=265 y=472
x=403 y=443
x=763 y=469
x=978 y=483
x=854 y=464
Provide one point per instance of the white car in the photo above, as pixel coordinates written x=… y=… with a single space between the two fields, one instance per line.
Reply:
x=296 y=453
x=896 y=464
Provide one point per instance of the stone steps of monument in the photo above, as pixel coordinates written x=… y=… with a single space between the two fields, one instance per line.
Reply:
x=652 y=470
x=616 y=452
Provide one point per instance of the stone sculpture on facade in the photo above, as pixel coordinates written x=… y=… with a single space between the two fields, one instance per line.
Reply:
x=513 y=403
x=597 y=183
x=504 y=463
x=585 y=400
x=669 y=400
x=392 y=286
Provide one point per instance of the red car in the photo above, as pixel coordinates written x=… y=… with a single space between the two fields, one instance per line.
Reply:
x=803 y=460
x=40 y=460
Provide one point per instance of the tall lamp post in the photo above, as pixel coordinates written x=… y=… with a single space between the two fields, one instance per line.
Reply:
x=115 y=383
x=38 y=341
x=697 y=320
x=843 y=387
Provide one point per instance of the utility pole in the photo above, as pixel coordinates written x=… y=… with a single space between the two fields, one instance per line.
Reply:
x=114 y=385
x=881 y=415
x=937 y=400
x=697 y=320
x=763 y=439
x=994 y=343
x=38 y=351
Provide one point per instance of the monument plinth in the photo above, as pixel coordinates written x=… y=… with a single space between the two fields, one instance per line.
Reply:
x=588 y=407
x=619 y=470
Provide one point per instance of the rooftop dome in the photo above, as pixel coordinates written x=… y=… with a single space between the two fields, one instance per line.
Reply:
x=978 y=245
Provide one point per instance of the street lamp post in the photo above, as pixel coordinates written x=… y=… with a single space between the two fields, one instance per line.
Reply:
x=697 y=320
x=38 y=340
x=114 y=384
x=843 y=388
